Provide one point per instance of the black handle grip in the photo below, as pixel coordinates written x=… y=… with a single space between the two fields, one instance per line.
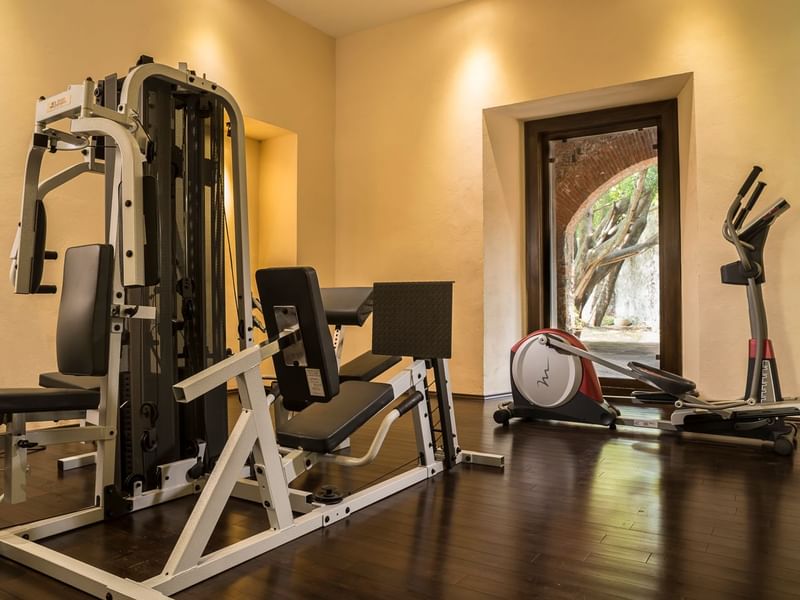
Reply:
x=750 y=179
x=409 y=402
x=47 y=289
x=50 y=255
x=751 y=202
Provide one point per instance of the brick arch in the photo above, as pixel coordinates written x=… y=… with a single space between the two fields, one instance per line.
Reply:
x=584 y=164
x=602 y=189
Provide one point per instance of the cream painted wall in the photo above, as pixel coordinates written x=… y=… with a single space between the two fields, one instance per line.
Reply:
x=280 y=70
x=271 y=162
x=277 y=235
x=276 y=238
x=410 y=132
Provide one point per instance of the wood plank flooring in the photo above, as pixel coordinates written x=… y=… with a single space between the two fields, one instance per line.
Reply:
x=577 y=513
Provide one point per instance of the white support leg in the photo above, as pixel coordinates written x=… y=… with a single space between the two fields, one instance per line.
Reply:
x=16 y=461
x=46 y=528
x=107 y=411
x=68 y=463
x=70 y=571
x=198 y=529
x=269 y=468
x=422 y=427
x=247 y=489
x=467 y=456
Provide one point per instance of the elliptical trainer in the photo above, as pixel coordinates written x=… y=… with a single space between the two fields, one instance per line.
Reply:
x=553 y=378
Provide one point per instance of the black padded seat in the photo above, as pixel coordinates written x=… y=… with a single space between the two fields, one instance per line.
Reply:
x=77 y=382
x=31 y=400
x=367 y=366
x=323 y=426
x=82 y=336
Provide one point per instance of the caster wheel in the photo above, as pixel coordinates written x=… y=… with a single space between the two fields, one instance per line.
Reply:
x=502 y=416
x=612 y=426
x=784 y=446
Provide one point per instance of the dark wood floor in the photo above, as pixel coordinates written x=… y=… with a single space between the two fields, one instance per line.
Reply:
x=577 y=513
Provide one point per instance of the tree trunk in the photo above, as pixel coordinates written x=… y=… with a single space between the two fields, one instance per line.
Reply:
x=605 y=296
x=616 y=242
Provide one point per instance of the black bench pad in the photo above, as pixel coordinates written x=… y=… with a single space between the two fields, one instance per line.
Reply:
x=347 y=306
x=29 y=400
x=366 y=367
x=78 y=382
x=322 y=427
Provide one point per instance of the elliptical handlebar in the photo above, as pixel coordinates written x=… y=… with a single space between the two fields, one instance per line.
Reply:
x=737 y=214
x=748 y=183
x=751 y=202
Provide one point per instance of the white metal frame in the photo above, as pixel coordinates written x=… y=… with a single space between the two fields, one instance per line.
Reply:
x=275 y=468
x=86 y=117
x=253 y=432
x=126 y=235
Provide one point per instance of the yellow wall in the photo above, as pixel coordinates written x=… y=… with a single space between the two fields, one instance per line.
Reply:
x=422 y=190
x=277 y=199
x=279 y=69
x=410 y=152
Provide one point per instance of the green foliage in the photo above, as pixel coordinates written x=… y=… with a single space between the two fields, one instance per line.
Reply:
x=617 y=195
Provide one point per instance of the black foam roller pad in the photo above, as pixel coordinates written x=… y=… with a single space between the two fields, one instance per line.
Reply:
x=413 y=319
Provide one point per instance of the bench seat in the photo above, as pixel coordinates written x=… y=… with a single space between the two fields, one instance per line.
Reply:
x=367 y=367
x=31 y=400
x=323 y=426
x=55 y=379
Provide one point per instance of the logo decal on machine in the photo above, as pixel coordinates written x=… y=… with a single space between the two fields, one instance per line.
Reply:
x=545 y=376
x=57 y=102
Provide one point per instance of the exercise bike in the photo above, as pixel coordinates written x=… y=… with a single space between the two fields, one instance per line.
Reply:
x=553 y=376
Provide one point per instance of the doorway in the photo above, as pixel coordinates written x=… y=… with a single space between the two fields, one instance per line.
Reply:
x=603 y=233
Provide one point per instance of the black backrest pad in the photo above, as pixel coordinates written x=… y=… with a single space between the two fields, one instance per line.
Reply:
x=413 y=319
x=318 y=379
x=84 y=315
x=347 y=306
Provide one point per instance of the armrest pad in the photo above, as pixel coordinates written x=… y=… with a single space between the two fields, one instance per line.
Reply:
x=78 y=382
x=367 y=367
x=347 y=306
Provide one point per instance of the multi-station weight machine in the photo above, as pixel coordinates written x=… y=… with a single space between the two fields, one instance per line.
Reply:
x=141 y=350
x=157 y=136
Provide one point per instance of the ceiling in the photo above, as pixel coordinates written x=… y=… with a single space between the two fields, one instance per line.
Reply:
x=342 y=17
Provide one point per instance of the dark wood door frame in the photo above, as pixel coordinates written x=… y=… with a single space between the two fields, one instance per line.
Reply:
x=664 y=116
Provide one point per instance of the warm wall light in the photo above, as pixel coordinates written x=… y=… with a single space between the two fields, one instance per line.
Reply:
x=477 y=71
x=207 y=54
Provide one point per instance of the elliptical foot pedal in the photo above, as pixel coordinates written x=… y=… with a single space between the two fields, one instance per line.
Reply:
x=328 y=494
x=648 y=397
x=670 y=383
